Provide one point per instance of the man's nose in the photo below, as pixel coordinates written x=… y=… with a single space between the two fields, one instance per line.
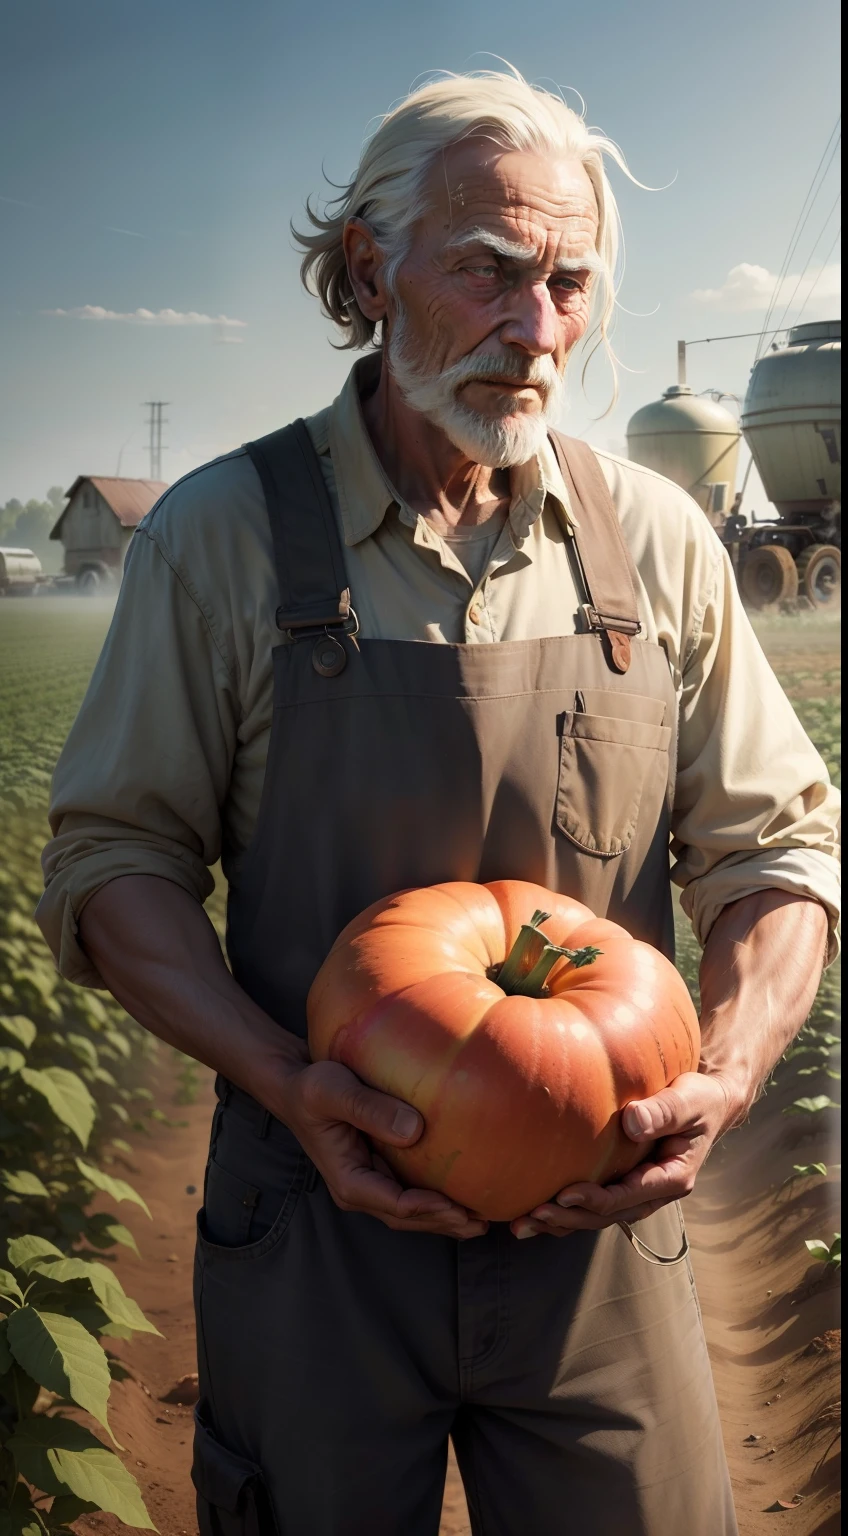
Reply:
x=531 y=324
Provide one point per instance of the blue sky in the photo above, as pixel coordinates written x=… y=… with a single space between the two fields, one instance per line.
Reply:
x=152 y=158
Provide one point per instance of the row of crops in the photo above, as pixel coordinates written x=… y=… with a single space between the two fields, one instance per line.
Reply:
x=73 y=1072
x=73 y=1088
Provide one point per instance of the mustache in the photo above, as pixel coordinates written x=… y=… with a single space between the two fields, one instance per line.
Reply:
x=507 y=368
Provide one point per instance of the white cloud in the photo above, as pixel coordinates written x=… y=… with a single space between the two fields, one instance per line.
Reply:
x=148 y=316
x=748 y=287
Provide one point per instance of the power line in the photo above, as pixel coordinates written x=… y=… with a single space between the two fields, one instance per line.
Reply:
x=836 y=240
x=834 y=205
x=800 y=224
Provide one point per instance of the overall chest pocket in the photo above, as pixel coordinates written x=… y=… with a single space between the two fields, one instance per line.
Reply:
x=610 y=771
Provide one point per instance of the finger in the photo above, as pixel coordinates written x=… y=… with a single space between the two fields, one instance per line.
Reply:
x=364 y=1188
x=524 y=1227
x=668 y=1180
x=437 y=1228
x=561 y=1223
x=332 y=1092
x=682 y=1106
x=420 y=1199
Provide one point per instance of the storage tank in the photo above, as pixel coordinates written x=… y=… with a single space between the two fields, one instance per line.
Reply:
x=20 y=571
x=692 y=440
x=792 y=419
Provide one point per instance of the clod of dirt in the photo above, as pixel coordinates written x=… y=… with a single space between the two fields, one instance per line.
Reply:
x=827 y=1343
x=752 y=1439
x=792 y=1503
x=191 y=1189
x=185 y=1391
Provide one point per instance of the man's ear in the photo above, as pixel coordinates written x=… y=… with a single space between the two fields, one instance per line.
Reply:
x=365 y=259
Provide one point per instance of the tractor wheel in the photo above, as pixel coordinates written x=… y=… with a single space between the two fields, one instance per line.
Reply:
x=769 y=575
x=820 y=575
x=89 y=582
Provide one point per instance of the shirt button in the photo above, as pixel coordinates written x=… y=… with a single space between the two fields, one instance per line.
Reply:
x=474 y=614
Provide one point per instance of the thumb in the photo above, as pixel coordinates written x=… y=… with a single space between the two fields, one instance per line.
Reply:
x=380 y=1115
x=662 y=1114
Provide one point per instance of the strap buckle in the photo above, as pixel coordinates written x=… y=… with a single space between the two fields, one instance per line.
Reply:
x=305 y=625
x=614 y=621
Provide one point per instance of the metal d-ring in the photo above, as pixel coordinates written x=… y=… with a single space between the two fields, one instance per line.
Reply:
x=329 y=656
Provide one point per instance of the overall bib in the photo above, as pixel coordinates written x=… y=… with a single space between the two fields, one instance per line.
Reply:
x=337 y=1356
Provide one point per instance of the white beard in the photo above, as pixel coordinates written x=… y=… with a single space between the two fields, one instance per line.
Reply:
x=497 y=441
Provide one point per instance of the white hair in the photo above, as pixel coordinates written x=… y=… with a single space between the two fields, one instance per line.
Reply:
x=389 y=189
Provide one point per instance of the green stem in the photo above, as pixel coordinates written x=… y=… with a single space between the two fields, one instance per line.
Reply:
x=532 y=958
x=524 y=953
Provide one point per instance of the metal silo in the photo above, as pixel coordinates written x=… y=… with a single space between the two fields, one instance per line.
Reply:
x=692 y=440
x=792 y=421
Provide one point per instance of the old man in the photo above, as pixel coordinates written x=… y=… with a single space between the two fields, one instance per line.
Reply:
x=312 y=674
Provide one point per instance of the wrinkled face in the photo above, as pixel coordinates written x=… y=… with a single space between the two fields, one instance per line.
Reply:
x=493 y=295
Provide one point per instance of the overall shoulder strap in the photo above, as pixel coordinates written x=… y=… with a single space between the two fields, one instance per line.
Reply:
x=307 y=549
x=605 y=560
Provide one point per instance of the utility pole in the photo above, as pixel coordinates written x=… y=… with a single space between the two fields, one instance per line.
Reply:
x=704 y=341
x=155 y=422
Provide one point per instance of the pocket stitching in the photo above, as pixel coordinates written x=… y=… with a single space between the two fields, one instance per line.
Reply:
x=273 y=1236
x=569 y=738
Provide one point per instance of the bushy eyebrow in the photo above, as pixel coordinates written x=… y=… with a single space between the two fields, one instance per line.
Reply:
x=523 y=255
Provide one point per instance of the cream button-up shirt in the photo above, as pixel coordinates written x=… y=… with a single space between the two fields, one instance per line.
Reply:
x=162 y=772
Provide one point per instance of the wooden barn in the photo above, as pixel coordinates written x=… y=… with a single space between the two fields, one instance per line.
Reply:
x=97 y=524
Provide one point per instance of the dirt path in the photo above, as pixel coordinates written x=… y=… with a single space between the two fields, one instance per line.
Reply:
x=772 y=1336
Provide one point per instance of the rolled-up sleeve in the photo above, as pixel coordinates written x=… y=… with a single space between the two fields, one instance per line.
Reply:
x=754 y=806
x=142 y=777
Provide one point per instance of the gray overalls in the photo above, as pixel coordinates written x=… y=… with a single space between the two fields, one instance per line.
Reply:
x=336 y=1356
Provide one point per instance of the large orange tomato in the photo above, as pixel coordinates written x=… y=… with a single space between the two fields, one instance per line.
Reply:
x=517 y=1022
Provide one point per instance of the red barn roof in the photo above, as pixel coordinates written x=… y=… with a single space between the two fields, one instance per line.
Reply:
x=130 y=500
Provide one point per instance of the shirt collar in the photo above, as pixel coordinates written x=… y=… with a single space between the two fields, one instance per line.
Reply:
x=366 y=494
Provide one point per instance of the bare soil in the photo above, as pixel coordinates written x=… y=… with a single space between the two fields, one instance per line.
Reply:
x=771 y=1320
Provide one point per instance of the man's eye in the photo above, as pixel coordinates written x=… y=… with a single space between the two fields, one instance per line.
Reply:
x=487 y=271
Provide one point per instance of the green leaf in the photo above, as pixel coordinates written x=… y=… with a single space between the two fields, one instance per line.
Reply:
x=20 y=1181
x=83 y=1049
x=805 y=1171
x=22 y=1519
x=61 y=1355
x=123 y=1146
x=806 y=1050
x=9 y=1287
x=25 y=1251
x=818 y=1249
x=59 y=1456
x=6 y=1357
x=811 y=1106
x=19 y=1027
x=103 y=1231
x=105 y=1285
x=11 y=1060
x=120 y=1043
x=67 y=1096
x=119 y=1189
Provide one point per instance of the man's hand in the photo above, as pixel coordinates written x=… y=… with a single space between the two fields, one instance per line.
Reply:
x=331 y=1113
x=684 y=1121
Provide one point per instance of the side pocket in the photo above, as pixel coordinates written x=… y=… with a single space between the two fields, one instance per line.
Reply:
x=611 y=771
x=232 y=1499
x=228 y=1205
